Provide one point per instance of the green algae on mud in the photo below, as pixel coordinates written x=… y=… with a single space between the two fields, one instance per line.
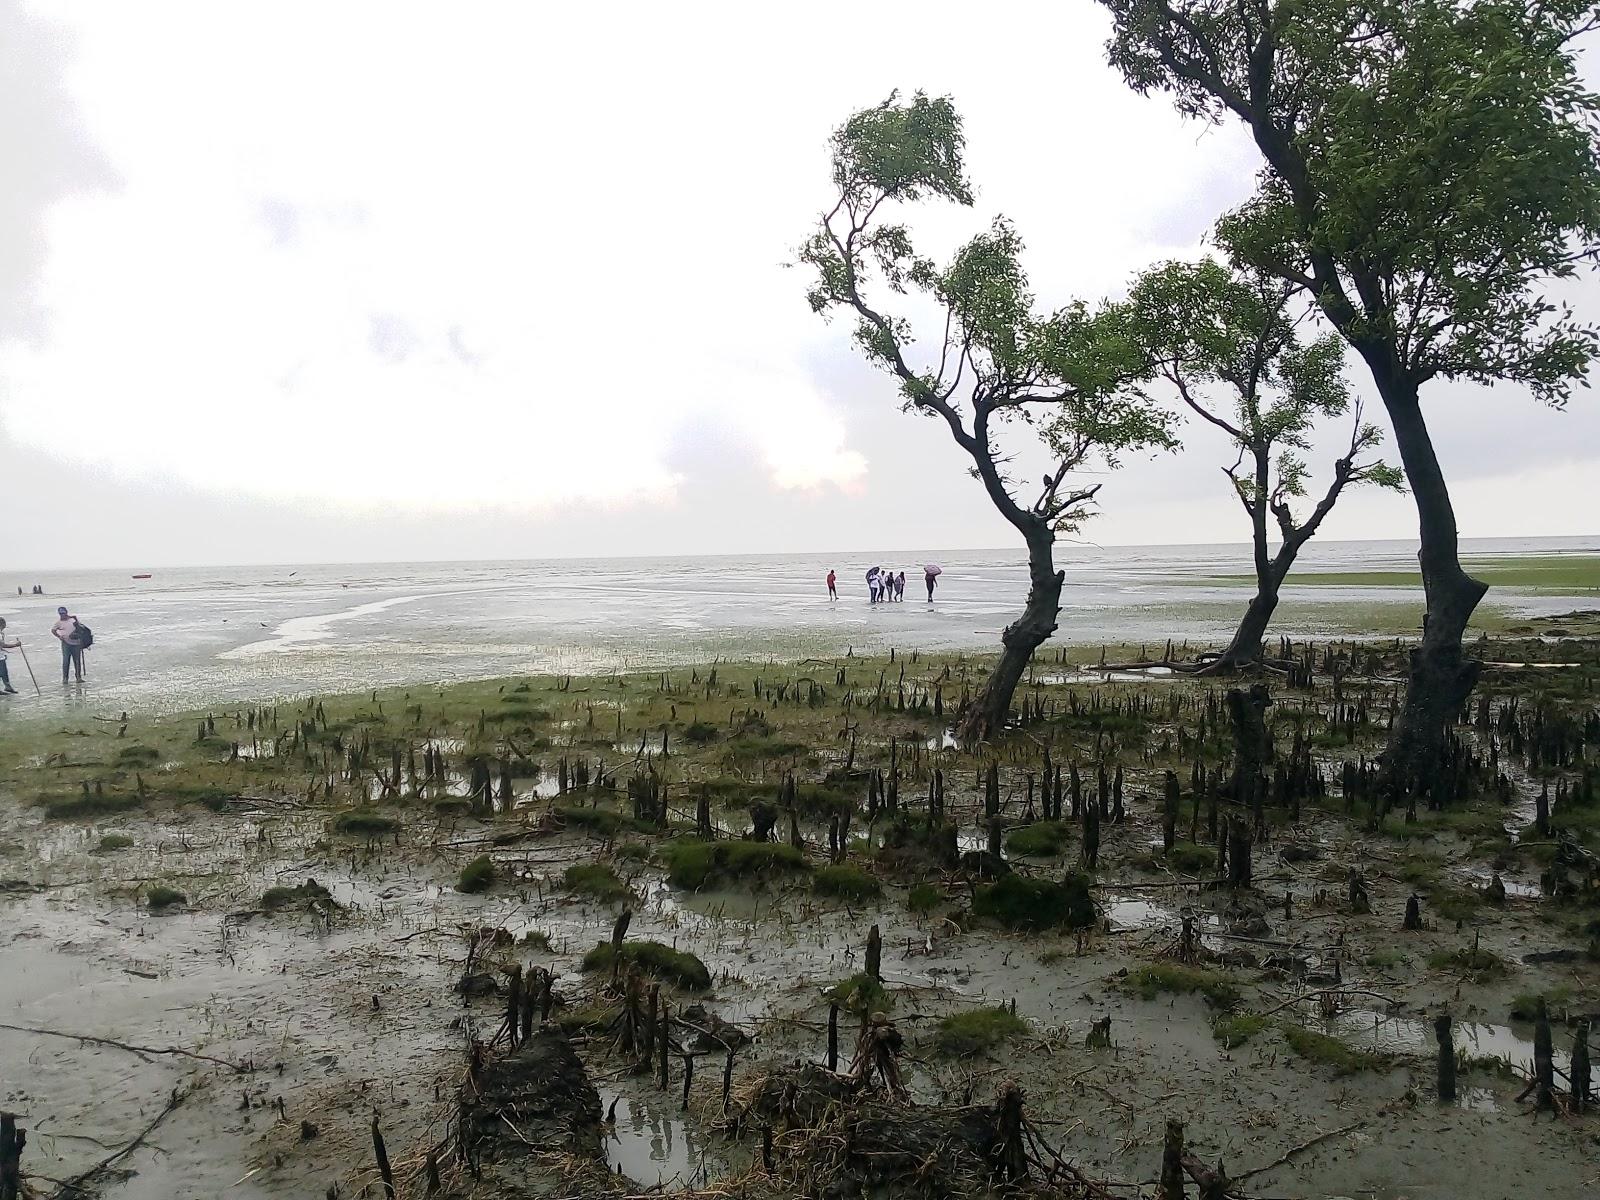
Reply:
x=775 y=950
x=653 y=958
x=1566 y=574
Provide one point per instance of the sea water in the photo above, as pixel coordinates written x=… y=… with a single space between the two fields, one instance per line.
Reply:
x=190 y=637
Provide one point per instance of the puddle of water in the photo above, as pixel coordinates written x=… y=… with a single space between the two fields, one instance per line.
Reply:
x=971 y=841
x=1514 y=887
x=1372 y=1030
x=651 y=1144
x=1126 y=915
x=1091 y=675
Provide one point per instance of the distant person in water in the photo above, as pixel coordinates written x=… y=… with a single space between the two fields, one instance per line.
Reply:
x=7 y=642
x=930 y=579
x=833 y=585
x=66 y=632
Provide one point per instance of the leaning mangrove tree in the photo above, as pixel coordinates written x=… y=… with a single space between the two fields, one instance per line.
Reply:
x=1430 y=169
x=1228 y=343
x=989 y=358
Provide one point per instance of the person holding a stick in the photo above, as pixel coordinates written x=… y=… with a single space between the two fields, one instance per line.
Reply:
x=66 y=632
x=6 y=643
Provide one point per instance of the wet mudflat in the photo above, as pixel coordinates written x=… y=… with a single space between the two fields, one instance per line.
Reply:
x=252 y=1024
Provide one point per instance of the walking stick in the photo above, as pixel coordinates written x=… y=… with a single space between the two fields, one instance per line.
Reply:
x=29 y=665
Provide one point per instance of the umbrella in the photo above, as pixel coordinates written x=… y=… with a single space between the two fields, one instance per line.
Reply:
x=871 y=571
x=933 y=569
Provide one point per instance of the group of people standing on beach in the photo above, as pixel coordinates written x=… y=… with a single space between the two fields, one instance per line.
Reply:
x=885 y=586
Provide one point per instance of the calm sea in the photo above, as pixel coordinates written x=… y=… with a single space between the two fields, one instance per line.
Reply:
x=195 y=636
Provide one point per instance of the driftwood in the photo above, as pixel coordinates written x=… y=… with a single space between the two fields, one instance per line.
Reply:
x=241 y=1068
x=78 y=1184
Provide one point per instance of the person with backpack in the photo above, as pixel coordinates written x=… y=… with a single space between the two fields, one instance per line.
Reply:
x=6 y=643
x=75 y=637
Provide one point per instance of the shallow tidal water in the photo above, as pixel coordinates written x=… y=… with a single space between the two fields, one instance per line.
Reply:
x=195 y=636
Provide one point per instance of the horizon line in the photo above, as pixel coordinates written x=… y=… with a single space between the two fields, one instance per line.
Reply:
x=428 y=562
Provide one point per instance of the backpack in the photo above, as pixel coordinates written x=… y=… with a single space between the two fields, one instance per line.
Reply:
x=85 y=636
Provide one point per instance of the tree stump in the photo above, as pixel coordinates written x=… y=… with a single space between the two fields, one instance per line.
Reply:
x=1582 y=1085
x=12 y=1142
x=1238 y=852
x=1171 y=1187
x=1544 y=1066
x=1169 y=813
x=1447 y=1058
x=1252 y=742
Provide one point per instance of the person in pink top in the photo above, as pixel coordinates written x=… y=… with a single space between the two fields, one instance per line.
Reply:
x=66 y=631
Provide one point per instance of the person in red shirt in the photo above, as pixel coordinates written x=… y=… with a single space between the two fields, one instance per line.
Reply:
x=833 y=591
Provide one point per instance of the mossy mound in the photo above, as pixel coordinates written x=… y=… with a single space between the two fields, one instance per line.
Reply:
x=1472 y=962
x=365 y=823
x=860 y=993
x=909 y=844
x=161 y=897
x=653 y=958
x=979 y=1031
x=1042 y=839
x=596 y=880
x=1190 y=858
x=923 y=898
x=1331 y=1052
x=476 y=876
x=306 y=895
x=1235 y=1030
x=695 y=864
x=601 y=821
x=1020 y=903
x=1153 y=979
x=846 y=882
x=78 y=808
x=113 y=841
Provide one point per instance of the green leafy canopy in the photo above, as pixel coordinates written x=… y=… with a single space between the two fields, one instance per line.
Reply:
x=995 y=358
x=1432 y=167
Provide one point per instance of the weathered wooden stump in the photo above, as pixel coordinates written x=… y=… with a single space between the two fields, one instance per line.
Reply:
x=1447 y=1057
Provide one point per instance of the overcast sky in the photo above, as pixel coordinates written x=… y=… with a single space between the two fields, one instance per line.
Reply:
x=304 y=282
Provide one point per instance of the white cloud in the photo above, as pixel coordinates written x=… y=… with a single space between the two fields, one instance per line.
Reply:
x=506 y=260
x=366 y=254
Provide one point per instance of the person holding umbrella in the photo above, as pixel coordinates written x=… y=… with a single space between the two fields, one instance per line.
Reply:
x=873 y=576
x=930 y=576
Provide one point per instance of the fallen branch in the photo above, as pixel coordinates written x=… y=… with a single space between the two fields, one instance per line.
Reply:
x=1288 y=1154
x=77 y=1182
x=241 y=1068
x=1333 y=991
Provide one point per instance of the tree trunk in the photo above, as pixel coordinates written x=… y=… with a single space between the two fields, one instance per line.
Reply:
x=985 y=715
x=1442 y=677
x=1245 y=648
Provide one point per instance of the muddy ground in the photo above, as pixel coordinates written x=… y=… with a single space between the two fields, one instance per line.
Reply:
x=247 y=1039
